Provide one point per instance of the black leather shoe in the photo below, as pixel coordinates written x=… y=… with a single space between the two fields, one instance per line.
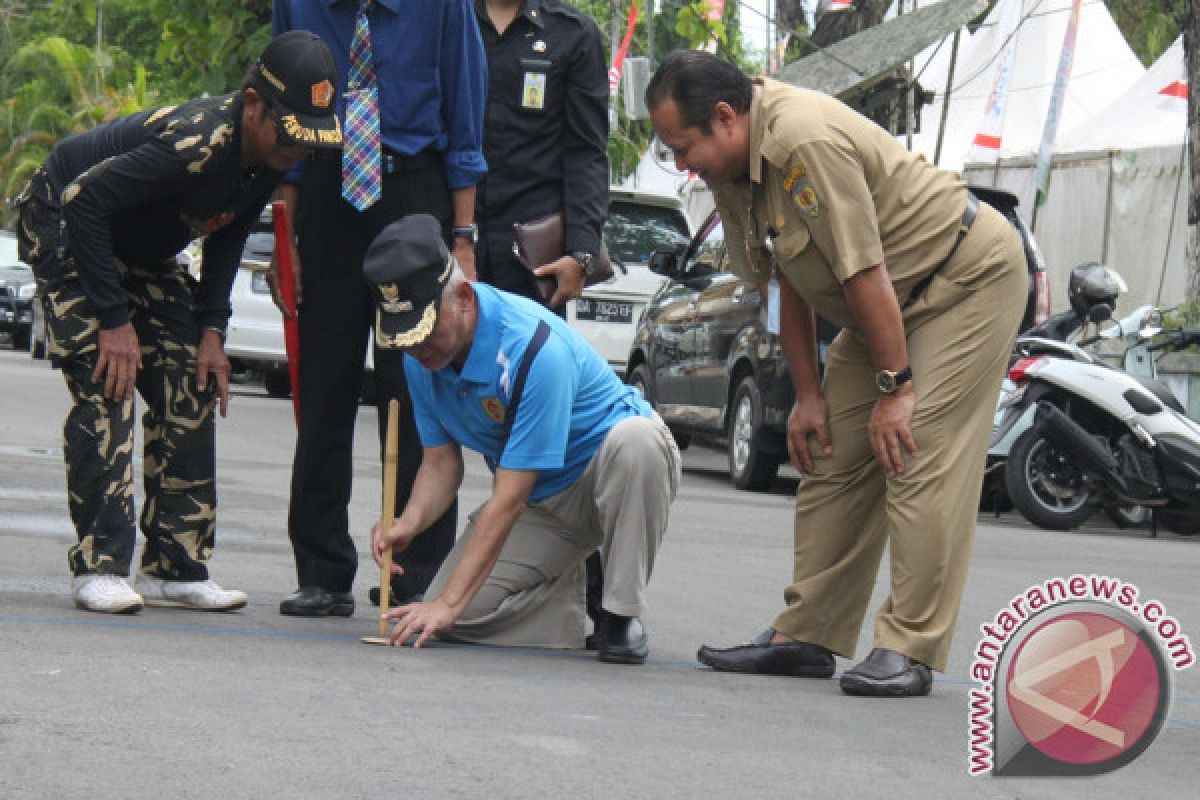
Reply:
x=313 y=601
x=886 y=673
x=373 y=596
x=622 y=640
x=761 y=657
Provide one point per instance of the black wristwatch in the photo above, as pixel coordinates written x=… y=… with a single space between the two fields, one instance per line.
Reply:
x=888 y=381
x=468 y=232
x=586 y=260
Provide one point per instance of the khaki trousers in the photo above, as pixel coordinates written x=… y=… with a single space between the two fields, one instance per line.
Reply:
x=959 y=339
x=535 y=595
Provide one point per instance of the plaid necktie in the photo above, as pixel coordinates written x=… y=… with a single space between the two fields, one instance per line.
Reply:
x=362 y=178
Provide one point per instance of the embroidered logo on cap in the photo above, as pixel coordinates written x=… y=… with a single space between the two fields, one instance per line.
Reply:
x=322 y=94
x=391 y=304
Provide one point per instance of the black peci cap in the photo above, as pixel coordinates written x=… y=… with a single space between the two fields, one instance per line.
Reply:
x=407 y=267
x=300 y=75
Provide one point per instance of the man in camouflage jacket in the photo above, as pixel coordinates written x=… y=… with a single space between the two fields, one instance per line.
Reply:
x=102 y=223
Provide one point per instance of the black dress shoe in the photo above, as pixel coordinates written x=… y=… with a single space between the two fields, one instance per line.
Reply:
x=886 y=673
x=761 y=657
x=622 y=640
x=373 y=596
x=313 y=601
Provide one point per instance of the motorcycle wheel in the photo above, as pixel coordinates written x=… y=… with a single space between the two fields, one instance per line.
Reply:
x=1126 y=516
x=1044 y=486
x=1180 y=522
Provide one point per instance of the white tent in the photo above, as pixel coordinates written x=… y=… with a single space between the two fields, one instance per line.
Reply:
x=1118 y=189
x=1104 y=66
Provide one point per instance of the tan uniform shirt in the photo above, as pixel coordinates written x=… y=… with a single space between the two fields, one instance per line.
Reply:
x=837 y=194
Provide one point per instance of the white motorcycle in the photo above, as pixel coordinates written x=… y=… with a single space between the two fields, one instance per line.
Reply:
x=1102 y=435
x=1092 y=290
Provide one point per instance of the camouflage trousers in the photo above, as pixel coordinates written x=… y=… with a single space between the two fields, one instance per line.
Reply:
x=179 y=513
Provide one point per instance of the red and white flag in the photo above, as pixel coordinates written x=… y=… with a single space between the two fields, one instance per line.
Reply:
x=986 y=145
x=614 y=72
x=1175 y=89
x=1054 y=112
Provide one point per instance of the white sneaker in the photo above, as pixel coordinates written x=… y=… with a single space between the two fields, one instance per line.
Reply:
x=197 y=595
x=109 y=594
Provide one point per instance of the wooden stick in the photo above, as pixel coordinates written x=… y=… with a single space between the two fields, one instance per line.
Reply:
x=391 y=451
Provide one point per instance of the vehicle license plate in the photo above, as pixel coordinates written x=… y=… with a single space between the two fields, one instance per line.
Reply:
x=603 y=310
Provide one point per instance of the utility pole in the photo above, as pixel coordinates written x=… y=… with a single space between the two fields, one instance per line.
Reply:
x=1191 y=41
x=651 y=8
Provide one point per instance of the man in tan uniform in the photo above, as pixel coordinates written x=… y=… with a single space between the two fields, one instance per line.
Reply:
x=929 y=286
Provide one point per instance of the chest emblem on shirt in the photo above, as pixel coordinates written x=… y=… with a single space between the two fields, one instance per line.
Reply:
x=799 y=185
x=539 y=46
x=494 y=409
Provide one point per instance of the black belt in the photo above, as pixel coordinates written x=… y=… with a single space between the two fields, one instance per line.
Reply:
x=964 y=227
x=392 y=161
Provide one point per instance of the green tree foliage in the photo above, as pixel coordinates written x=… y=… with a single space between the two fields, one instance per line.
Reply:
x=54 y=81
x=1148 y=25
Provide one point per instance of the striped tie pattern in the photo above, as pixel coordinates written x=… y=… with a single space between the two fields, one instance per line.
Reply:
x=362 y=175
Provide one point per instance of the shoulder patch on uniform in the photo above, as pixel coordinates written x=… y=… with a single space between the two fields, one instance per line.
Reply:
x=798 y=183
x=494 y=409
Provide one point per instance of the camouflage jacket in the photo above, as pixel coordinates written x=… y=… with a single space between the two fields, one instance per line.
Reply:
x=141 y=187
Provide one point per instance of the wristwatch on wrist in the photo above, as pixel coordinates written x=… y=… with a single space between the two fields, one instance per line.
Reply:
x=586 y=260
x=468 y=232
x=888 y=381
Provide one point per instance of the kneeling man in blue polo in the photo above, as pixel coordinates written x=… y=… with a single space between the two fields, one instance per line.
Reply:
x=580 y=460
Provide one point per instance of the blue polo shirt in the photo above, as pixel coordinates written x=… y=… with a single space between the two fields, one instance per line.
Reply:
x=571 y=400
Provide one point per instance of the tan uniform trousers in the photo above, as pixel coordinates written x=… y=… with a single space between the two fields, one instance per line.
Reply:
x=535 y=595
x=848 y=508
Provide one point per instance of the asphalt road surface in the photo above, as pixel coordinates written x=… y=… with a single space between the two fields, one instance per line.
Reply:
x=180 y=704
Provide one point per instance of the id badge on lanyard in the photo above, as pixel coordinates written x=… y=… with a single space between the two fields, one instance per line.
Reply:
x=533 y=92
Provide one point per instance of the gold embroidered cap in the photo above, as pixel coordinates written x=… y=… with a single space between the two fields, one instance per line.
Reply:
x=298 y=79
x=407 y=267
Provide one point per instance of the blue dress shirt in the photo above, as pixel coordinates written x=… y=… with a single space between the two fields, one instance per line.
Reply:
x=430 y=66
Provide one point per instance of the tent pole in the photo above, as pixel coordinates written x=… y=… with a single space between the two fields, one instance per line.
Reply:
x=937 y=152
x=1162 y=277
x=1108 y=209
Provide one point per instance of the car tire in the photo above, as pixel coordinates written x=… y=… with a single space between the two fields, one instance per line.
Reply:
x=639 y=378
x=749 y=467
x=1037 y=491
x=20 y=339
x=277 y=382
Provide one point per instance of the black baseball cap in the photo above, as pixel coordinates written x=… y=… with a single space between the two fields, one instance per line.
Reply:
x=407 y=266
x=299 y=77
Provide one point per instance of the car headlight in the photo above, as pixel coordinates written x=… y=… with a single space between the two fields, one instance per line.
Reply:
x=27 y=291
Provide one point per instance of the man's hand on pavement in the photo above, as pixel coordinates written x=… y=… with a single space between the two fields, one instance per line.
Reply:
x=422 y=620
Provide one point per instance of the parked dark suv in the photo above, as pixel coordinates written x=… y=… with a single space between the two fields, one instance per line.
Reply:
x=704 y=357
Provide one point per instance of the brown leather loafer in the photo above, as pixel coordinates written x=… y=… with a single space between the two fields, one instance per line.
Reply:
x=886 y=673
x=761 y=657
